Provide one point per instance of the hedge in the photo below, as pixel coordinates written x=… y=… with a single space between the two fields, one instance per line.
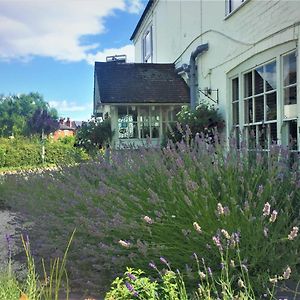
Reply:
x=23 y=151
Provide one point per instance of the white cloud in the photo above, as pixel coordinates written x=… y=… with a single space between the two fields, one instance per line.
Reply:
x=65 y=106
x=128 y=50
x=53 y=28
x=135 y=6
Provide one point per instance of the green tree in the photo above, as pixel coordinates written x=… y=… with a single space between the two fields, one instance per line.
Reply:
x=17 y=110
x=94 y=134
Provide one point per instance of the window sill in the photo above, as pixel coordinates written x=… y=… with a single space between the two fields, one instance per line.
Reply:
x=234 y=11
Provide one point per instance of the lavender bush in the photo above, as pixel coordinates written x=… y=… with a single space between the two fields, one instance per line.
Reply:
x=149 y=203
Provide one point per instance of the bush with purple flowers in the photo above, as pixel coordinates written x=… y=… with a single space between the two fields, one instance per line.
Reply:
x=150 y=203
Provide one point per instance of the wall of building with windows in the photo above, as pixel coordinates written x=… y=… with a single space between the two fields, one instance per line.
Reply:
x=258 y=38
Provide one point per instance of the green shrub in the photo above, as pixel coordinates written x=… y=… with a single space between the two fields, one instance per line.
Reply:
x=21 y=151
x=204 y=119
x=94 y=135
x=150 y=199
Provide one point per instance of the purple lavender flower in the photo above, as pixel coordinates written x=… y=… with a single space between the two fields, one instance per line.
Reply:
x=217 y=242
x=209 y=271
x=131 y=276
x=164 y=261
x=131 y=289
x=152 y=265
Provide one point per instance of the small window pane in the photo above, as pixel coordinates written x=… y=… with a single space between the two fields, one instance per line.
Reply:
x=293 y=134
x=144 y=122
x=248 y=111
x=235 y=113
x=258 y=80
x=252 y=137
x=270 y=76
x=289 y=69
x=259 y=108
x=271 y=107
x=273 y=133
x=235 y=89
x=248 y=84
x=290 y=95
x=262 y=137
x=234 y=4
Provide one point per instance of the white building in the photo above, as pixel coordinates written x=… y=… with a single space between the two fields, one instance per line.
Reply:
x=247 y=62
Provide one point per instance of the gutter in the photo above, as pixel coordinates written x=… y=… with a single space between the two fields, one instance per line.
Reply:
x=191 y=70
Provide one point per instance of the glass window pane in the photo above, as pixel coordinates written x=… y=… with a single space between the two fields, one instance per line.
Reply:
x=271 y=108
x=293 y=134
x=234 y=4
x=248 y=111
x=258 y=80
x=235 y=89
x=259 y=108
x=122 y=122
x=290 y=95
x=270 y=76
x=248 y=84
x=289 y=69
x=235 y=113
x=252 y=137
x=262 y=137
x=144 y=122
x=273 y=133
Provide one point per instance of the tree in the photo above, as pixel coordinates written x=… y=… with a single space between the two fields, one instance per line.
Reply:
x=40 y=121
x=17 y=110
x=94 y=134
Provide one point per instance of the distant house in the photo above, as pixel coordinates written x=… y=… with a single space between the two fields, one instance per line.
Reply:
x=240 y=55
x=141 y=99
x=66 y=128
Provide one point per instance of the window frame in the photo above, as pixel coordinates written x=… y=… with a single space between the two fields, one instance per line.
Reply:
x=229 y=6
x=147 y=57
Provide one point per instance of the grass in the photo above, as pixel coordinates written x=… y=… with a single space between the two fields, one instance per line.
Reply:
x=33 y=287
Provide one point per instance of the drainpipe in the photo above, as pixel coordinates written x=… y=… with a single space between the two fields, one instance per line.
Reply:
x=191 y=70
x=193 y=73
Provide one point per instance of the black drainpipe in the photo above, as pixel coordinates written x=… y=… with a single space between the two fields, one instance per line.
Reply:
x=192 y=72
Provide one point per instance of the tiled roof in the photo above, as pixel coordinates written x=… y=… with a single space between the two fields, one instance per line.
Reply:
x=138 y=83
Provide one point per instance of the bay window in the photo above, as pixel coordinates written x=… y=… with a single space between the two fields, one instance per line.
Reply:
x=266 y=109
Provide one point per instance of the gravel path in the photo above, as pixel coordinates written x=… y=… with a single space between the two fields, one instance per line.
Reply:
x=8 y=226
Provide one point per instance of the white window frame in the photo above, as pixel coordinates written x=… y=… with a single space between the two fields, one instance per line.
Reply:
x=147 y=56
x=229 y=6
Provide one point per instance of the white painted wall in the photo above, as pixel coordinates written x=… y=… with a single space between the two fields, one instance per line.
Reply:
x=255 y=30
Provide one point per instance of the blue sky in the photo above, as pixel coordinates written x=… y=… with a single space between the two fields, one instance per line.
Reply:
x=49 y=46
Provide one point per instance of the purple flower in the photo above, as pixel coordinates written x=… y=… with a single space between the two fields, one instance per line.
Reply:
x=164 y=261
x=131 y=276
x=217 y=242
x=209 y=271
x=152 y=265
x=131 y=289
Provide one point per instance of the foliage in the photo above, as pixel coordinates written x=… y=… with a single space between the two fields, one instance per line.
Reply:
x=205 y=119
x=150 y=199
x=41 y=120
x=94 y=134
x=18 y=110
x=135 y=284
x=21 y=151
x=32 y=287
